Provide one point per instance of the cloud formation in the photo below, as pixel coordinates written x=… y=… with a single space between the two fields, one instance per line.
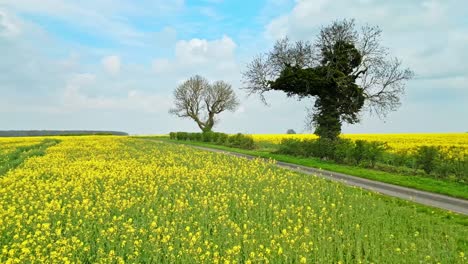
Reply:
x=101 y=64
x=99 y=18
x=213 y=58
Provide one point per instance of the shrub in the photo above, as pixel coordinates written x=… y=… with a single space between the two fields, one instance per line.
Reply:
x=291 y=147
x=460 y=168
x=241 y=141
x=182 y=136
x=214 y=137
x=358 y=152
x=237 y=141
x=343 y=150
x=374 y=151
x=173 y=135
x=401 y=158
x=207 y=136
x=222 y=139
x=444 y=168
x=307 y=148
x=426 y=158
x=323 y=148
x=340 y=150
x=368 y=151
x=197 y=136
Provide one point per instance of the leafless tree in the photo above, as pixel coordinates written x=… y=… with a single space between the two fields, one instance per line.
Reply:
x=201 y=101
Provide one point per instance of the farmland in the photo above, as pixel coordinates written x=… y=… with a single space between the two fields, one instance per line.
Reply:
x=430 y=162
x=10 y=144
x=440 y=156
x=449 y=142
x=118 y=199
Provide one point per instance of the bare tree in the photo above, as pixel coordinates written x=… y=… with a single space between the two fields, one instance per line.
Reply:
x=201 y=101
x=341 y=58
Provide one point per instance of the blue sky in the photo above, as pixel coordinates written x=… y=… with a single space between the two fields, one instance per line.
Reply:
x=113 y=64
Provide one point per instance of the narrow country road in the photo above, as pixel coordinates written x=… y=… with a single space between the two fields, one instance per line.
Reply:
x=426 y=198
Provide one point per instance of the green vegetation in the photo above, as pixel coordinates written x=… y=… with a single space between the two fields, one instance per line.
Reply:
x=11 y=160
x=235 y=141
x=426 y=161
x=445 y=187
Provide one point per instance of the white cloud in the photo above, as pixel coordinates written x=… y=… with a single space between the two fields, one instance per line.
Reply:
x=24 y=67
x=34 y=84
x=111 y=64
x=215 y=58
x=306 y=18
x=303 y=17
x=101 y=18
x=196 y=51
x=75 y=98
x=9 y=25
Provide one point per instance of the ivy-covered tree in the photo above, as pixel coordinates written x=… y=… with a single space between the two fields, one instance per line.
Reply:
x=345 y=70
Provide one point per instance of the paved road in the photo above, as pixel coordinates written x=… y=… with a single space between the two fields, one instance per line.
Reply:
x=417 y=196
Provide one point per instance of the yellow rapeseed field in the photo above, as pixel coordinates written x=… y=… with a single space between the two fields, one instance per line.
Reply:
x=396 y=142
x=8 y=144
x=123 y=200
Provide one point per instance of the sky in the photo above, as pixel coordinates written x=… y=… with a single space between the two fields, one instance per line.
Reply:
x=114 y=64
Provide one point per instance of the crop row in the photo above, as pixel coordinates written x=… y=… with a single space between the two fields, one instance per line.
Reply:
x=117 y=200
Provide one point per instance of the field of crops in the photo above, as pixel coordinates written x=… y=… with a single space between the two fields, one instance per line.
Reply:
x=449 y=142
x=10 y=144
x=118 y=199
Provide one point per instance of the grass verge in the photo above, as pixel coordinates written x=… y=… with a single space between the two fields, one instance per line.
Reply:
x=453 y=189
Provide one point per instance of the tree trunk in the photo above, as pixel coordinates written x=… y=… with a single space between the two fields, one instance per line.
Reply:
x=327 y=120
x=201 y=125
x=209 y=124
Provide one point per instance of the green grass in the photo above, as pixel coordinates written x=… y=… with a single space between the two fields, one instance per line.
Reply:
x=14 y=159
x=453 y=189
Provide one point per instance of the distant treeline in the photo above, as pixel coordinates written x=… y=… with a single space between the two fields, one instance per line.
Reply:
x=34 y=133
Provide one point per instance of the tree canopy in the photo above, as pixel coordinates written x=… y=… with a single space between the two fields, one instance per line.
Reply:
x=345 y=70
x=201 y=101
